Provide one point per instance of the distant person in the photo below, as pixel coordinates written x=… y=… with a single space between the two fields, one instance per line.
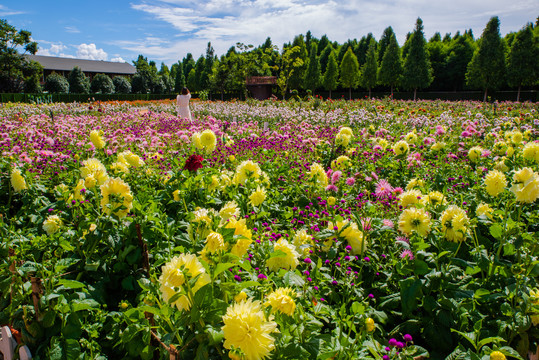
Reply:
x=182 y=104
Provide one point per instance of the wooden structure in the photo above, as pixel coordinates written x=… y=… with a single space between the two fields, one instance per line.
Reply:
x=260 y=87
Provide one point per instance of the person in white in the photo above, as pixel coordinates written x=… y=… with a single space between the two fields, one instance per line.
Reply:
x=182 y=104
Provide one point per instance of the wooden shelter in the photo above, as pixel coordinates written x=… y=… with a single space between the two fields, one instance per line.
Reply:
x=260 y=87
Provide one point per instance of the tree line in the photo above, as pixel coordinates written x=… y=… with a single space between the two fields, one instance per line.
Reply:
x=309 y=64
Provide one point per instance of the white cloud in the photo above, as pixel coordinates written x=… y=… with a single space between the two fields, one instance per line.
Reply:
x=55 y=49
x=118 y=59
x=72 y=29
x=225 y=22
x=91 y=52
x=5 y=11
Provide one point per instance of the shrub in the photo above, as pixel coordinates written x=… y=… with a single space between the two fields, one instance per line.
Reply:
x=56 y=83
x=103 y=84
x=78 y=82
x=121 y=85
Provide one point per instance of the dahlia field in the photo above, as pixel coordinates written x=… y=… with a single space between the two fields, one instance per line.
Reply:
x=370 y=229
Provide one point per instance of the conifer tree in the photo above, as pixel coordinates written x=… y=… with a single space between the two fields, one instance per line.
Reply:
x=349 y=71
x=391 y=66
x=487 y=68
x=523 y=60
x=179 y=80
x=312 y=75
x=331 y=75
x=78 y=82
x=417 y=72
x=369 y=70
x=384 y=42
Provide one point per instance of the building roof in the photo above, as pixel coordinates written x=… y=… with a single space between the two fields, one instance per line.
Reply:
x=92 y=66
x=261 y=80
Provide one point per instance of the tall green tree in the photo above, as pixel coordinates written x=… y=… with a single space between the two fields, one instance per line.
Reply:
x=460 y=53
x=369 y=70
x=437 y=51
x=312 y=75
x=417 y=72
x=391 y=66
x=362 y=47
x=78 y=82
x=298 y=57
x=349 y=71
x=291 y=63
x=331 y=75
x=523 y=60
x=384 y=42
x=487 y=68
x=324 y=57
x=179 y=78
x=14 y=68
x=324 y=41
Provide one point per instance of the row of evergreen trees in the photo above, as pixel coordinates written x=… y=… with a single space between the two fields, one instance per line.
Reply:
x=441 y=64
x=78 y=83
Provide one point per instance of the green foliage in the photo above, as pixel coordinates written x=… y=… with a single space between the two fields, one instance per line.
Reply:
x=121 y=85
x=299 y=58
x=291 y=63
x=78 y=82
x=179 y=77
x=56 y=83
x=102 y=84
x=369 y=70
x=383 y=44
x=460 y=53
x=417 y=72
x=522 y=60
x=331 y=76
x=312 y=75
x=349 y=71
x=391 y=66
x=32 y=77
x=487 y=67
x=15 y=70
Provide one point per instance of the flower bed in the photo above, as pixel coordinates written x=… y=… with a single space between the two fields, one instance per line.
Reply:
x=284 y=230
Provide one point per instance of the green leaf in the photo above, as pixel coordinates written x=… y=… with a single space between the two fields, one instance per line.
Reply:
x=86 y=304
x=470 y=336
x=496 y=231
x=480 y=293
x=278 y=253
x=71 y=284
x=493 y=339
x=222 y=267
x=410 y=293
x=509 y=351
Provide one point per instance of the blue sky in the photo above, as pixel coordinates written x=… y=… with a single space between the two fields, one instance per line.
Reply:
x=166 y=30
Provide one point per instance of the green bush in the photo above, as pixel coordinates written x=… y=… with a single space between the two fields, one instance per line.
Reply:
x=78 y=82
x=56 y=83
x=102 y=83
x=121 y=85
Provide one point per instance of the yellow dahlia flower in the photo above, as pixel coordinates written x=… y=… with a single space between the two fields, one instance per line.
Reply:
x=531 y=151
x=230 y=210
x=247 y=169
x=437 y=146
x=208 y=140
x=410 y=197
x=95 y=168
x=247 y=329
x=288 y=261
x=434 y=198
x=177 y=272
x=411 y=137
x=495 y=182
x=17 y=180
x=341 y=163
x=475 y=153
x=176 y=195
x=240 y=229
x=401 y=148
x=195 y=140
x=346 y=131
x=96 y=139
x=214 y=242
x=303 y=242
x=525 y=185
x=342 y=139
x=318 y=175
x=414 y=220
x=52 y=224
x=282 y=300
x=257 y=197
x=484 y=210
x=455 y=223
x=116 y=197
x=413 y=183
